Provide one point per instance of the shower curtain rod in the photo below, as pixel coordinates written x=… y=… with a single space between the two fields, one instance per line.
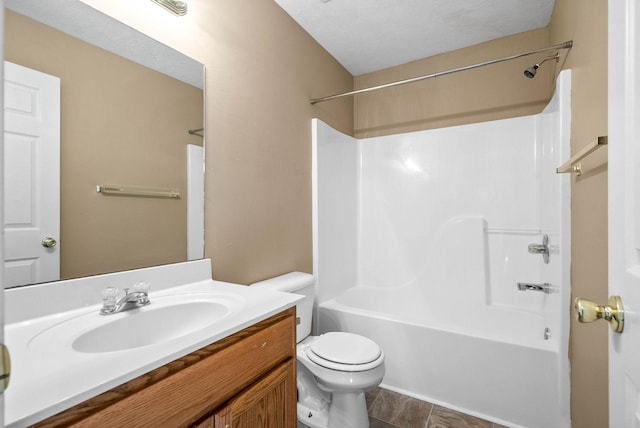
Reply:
x=565 y=45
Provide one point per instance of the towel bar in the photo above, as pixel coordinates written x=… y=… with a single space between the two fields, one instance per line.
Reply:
x=573 y=165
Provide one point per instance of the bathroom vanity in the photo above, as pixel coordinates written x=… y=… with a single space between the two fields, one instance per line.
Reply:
x=244 y=380
x=203 y=353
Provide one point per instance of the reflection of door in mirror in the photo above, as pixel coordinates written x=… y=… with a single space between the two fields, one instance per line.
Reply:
x=32 y=176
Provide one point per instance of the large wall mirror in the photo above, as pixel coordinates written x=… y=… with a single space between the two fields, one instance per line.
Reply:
x=125 y=107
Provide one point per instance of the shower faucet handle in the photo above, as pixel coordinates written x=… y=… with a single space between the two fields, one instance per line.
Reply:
x=541 y=248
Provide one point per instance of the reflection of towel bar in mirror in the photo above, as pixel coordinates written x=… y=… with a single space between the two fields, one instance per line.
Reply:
x=198 y=132
x=573 y=165
x=137 y=191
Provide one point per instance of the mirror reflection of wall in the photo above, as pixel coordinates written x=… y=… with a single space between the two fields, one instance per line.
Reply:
x=122 y=124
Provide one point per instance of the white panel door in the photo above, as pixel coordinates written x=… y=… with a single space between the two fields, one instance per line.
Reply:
x=2 y=285
x=31 y=176
x=624 y=209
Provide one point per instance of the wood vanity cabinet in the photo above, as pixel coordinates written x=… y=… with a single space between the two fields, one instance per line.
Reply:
x=245 y=380
x=261 y=405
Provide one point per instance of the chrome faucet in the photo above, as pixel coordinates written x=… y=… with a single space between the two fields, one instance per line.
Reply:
x=541 y=249
x=132 y=299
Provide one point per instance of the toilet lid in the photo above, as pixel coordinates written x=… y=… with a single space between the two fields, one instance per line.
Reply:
x=344 y=348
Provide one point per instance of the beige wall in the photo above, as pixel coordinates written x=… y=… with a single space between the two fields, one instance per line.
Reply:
x=586 y=24
x=258 y=186
x=120 y=124
x=493 y=92
x=262 y=69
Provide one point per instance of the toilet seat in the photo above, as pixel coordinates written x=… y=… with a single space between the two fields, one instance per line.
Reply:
x=345 y=352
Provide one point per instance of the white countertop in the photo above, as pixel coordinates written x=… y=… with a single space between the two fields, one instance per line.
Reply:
x=47 y=378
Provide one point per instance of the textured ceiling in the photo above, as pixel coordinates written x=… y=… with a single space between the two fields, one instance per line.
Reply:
x=369 y=35
x=83 y=22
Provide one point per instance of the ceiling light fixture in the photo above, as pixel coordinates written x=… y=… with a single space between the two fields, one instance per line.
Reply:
x=177 y=7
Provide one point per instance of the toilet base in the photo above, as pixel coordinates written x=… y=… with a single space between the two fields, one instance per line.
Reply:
x=346 y=411
x=323 y=409
x=313 y=403
x=313 y=418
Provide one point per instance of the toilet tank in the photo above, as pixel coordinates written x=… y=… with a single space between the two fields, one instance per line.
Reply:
x=298 y=283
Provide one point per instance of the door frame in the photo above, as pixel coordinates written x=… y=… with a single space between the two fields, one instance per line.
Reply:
x=2 y=196
x=624 y=160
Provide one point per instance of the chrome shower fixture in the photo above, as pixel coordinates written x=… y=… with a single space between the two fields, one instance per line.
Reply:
x=541 y=249
x=531 y=71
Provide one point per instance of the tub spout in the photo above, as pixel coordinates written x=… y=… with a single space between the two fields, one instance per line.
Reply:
x=545 y=288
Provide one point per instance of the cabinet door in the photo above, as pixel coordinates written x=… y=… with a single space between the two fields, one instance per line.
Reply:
x=205 y=423
x=269 y=403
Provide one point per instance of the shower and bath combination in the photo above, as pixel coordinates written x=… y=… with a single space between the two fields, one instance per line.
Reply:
x=466 y=297
x=386 y=274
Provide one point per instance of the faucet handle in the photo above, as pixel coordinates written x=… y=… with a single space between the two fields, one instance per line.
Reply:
x=141 y=287
x=142 y=290
x=110 y=293
x=541 y=249
x=109 y=296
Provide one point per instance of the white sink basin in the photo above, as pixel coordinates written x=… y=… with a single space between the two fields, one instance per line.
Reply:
x=155 y=325
x=165 y=319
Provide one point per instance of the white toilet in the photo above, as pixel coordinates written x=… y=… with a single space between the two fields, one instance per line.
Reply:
x=334 y=369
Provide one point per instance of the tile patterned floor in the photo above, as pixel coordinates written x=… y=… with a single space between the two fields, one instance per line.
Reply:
x=388 y=409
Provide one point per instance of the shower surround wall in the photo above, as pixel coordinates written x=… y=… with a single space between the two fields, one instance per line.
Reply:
x=420 y=240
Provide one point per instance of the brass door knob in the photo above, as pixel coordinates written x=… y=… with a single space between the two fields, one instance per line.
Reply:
x=5 y=368
x=49 y=242
x=588 y=311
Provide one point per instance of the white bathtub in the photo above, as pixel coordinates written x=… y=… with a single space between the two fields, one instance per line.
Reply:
x=420 y=240
x=492 y=363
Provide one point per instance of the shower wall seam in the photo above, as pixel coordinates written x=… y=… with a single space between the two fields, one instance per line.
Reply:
x=359 y=192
